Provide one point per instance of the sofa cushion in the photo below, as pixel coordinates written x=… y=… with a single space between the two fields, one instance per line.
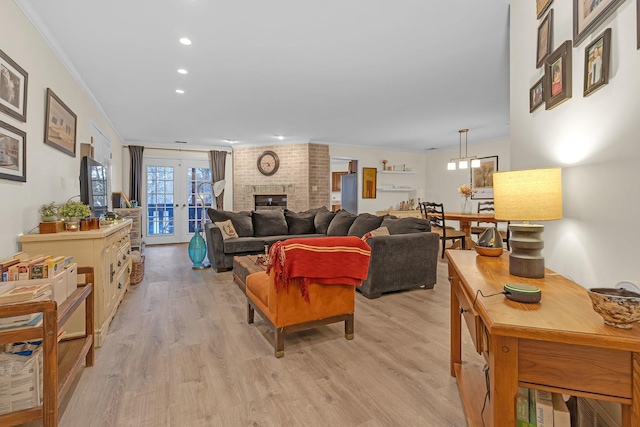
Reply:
x=226 y=229
x=269 y=223
x=322 y=220
x=364 y=223
x=406 y=225
x=300 y=222
x=270 y=240
x=241 y=220
x=244 y=245
x=341 y=223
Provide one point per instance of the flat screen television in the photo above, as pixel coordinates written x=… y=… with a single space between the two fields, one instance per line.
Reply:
x=93 y=186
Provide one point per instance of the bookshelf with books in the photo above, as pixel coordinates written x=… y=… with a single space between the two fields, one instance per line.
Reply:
x=61 y=361
x=108 y=251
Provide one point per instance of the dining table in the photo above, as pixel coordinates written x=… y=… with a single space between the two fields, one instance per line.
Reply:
x=465 y=220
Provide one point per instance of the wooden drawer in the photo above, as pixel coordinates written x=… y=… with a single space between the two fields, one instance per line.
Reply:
x=472 y=319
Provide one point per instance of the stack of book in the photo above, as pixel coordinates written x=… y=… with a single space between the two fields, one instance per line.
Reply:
x=21 y=266
x=540 y=408
x=11 y=294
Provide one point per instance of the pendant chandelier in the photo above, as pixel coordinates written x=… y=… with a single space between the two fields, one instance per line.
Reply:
x=463 y=162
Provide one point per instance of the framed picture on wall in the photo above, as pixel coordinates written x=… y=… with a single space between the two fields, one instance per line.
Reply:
x=13 y=153
x=536 y=95
x=369 y=182
x=589 y=14
x=542 y=6
x=60 y=127
x=545 y=39
x=13 y=88
x=557 y=76
x=482 y=178
x=596 y=63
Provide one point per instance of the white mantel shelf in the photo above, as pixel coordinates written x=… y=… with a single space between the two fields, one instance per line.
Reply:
x=397 y=190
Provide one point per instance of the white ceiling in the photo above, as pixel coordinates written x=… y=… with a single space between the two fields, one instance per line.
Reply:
x=404 y=74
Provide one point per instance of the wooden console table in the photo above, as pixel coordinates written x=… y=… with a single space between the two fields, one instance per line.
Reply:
x=559 y=344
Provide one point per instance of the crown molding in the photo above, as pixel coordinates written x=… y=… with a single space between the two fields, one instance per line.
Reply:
x=59 y=51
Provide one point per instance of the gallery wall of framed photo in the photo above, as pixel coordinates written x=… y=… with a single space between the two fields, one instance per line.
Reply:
x=554 y=59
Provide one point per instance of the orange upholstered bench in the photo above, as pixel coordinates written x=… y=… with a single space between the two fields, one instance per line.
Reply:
x=286 y=310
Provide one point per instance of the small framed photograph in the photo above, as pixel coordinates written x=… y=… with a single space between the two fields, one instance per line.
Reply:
x=589 y=14
x=536 y=95
x=60 y=128
x=545 y=39
x=13 y=88
x=596 y=63
x=482 y=178
x=13 y=153
x=542 y=6
x=369 y=182
x=557 y=76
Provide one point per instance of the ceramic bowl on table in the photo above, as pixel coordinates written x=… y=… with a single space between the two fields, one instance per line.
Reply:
x=618 y=307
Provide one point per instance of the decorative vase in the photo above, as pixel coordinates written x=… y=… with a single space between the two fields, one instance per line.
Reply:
x=466 y=206
x=48 y=218
x=197 y=251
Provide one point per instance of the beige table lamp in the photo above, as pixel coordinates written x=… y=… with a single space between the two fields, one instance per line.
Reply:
x=527 y=195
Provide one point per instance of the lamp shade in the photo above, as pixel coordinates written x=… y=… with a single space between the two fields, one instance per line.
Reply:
x=528 y=195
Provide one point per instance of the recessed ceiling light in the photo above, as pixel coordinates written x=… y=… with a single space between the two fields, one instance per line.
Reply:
x=182 y=71
x=280 y=137
x=230 y=141
x=179 y=91
x=185 y=41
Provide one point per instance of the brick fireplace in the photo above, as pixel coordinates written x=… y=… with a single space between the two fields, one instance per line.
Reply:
x=303 y=177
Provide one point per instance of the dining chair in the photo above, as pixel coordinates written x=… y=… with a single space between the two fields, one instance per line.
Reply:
x=434 y=212
x=478 y=229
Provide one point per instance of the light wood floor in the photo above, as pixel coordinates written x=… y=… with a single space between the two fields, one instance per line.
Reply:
x=180 y=353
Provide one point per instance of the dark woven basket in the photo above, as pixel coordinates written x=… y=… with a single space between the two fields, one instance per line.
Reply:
x=137 y=271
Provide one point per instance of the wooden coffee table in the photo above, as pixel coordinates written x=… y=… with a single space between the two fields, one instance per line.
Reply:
x=243 y=266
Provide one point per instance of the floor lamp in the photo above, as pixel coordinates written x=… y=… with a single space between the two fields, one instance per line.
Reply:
x=197 y=245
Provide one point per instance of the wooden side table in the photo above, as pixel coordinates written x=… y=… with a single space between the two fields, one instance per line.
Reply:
x=559 y=345
x=243 y=266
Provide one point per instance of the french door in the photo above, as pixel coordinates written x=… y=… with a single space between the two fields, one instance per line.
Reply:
x=174 y=196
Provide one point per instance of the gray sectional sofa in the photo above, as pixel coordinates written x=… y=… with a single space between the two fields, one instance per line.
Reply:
x=405 y=259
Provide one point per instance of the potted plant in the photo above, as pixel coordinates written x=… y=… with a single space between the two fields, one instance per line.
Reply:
x=72 y=211
x=48 y=212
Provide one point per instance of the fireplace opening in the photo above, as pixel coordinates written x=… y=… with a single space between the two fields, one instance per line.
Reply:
x=269 y=202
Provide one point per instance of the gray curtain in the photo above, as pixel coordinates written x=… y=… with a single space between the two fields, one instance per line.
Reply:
x=218 y=160
x=136 y=177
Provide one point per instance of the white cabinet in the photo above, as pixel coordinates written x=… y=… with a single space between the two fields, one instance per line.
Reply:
x=108 y=251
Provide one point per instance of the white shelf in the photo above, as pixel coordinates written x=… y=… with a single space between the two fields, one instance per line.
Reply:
x=406 y=190
x=399 y=172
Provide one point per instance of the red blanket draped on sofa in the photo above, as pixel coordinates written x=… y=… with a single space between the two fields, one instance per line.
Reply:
x=328 y=260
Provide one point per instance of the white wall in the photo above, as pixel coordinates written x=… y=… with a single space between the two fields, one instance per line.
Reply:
x=372 y=158
x=593 y=139
x=51 y=174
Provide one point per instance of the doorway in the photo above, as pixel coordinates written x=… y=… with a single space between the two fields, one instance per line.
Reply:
x=174 y=199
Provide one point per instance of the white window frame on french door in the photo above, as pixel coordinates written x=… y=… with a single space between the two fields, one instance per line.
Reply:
x=187 y=207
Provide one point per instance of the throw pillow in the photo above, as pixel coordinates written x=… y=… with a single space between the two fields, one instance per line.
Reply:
x=241 y=220
x=322 y=220
x=341 y=223
x=269 y=223
x=406 y=225
x=300 y=222
x=227 y=230
x=381 y=231
x=363 y=224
